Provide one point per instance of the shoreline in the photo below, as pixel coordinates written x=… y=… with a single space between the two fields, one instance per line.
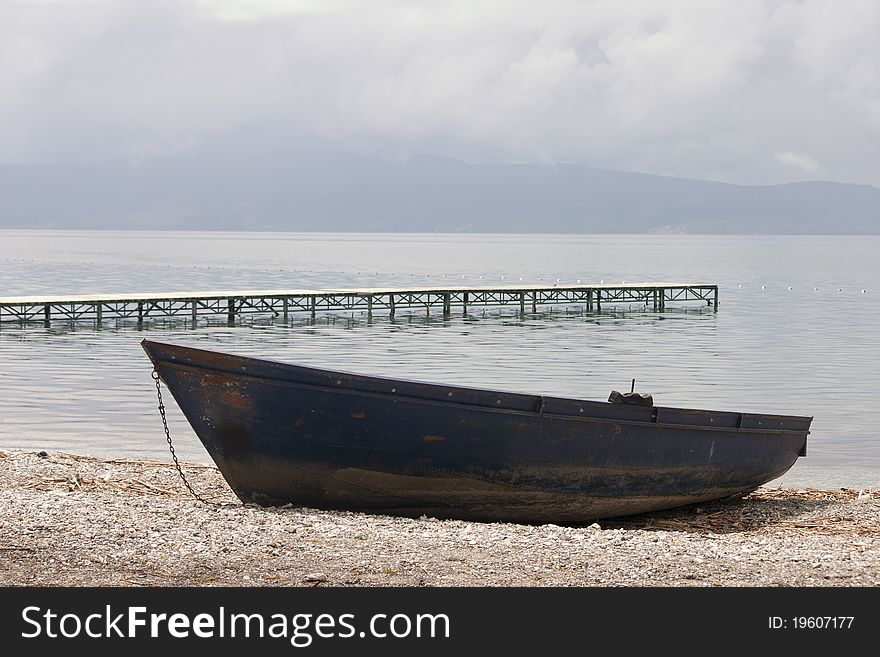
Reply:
x=73 y=520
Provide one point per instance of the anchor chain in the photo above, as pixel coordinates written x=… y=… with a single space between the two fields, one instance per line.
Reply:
x=183 y=478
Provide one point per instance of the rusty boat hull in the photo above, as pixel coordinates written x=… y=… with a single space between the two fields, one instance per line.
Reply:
x=289 y=434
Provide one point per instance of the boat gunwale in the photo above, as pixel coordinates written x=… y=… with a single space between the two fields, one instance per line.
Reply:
x=495 y=409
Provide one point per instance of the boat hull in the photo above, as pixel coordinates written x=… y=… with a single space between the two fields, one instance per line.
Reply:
x=284 y=434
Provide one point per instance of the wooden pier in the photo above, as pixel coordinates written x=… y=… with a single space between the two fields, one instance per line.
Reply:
x=286 y=304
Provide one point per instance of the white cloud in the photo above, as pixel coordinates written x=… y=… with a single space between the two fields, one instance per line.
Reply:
x=699 y=88
x=254 y=10
x=798 y=160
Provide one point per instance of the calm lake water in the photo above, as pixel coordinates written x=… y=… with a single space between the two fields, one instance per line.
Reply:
x=797 y=330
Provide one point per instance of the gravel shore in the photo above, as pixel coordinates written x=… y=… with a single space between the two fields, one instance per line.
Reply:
x=70 y=520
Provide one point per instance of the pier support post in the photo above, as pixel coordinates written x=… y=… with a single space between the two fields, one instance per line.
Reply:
x=314 y=303
x=522 y=303
x=534 y=302
x=230 y=312
x=447 y=305
x=662 y=295
x=286 y=309
x=369 y=306
x=140 y=313
x=99 y=315
x=391 y=305
x=194 y=306
x=464 y=303
x=715 y=304
x=598 y=300
x=46 y=315
x=589 y=299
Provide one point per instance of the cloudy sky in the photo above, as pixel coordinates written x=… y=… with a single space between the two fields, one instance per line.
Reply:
x=752 y=91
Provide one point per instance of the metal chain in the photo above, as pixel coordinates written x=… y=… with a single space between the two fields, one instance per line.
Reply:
x=183 y=478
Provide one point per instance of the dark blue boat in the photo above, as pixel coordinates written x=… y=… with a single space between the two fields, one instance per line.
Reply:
x=283 y=433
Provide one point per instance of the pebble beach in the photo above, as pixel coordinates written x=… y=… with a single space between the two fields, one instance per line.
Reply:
x=75 y=520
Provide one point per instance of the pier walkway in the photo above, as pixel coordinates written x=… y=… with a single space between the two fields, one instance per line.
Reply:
x=285 y=304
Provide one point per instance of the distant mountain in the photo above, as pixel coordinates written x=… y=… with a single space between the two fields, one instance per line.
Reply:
x=315 y=189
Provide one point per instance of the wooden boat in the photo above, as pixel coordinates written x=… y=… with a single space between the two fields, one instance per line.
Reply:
x=283 y=433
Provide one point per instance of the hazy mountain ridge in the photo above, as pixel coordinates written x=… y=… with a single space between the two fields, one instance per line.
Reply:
x=315 y=189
